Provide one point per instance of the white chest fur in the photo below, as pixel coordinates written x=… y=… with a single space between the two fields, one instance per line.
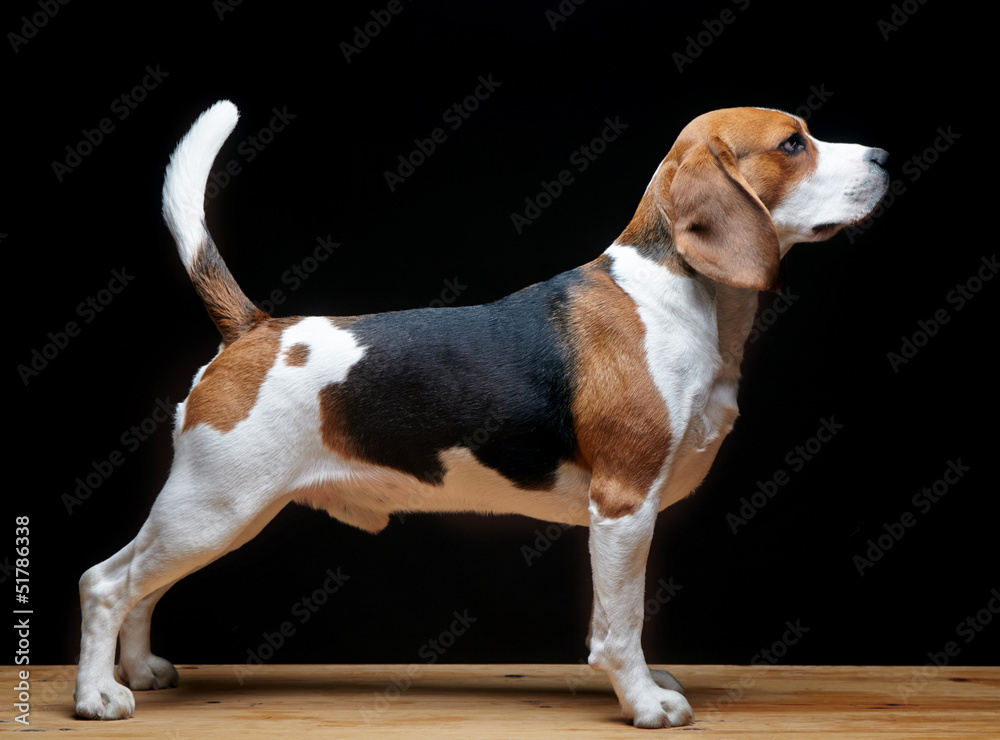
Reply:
x=695 y=331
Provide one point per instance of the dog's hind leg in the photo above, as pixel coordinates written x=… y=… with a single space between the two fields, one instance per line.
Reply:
x=189 y=526
x=138 y=668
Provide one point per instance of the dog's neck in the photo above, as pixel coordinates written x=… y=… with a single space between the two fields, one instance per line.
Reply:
x=735 y=309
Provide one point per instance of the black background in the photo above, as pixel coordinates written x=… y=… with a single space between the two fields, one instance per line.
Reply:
x=851 y=301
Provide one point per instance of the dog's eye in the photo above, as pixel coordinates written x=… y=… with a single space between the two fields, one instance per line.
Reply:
x=793 y=144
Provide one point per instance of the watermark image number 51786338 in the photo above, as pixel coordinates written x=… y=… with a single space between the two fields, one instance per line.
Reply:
x=22 y=619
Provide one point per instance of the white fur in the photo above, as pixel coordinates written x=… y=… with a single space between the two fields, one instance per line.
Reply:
x=187 y=173
x=224 y=487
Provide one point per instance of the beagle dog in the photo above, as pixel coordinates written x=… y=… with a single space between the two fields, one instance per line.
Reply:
x=599 y=397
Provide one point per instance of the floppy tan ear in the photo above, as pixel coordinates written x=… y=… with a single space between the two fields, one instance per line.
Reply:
x=720 y=226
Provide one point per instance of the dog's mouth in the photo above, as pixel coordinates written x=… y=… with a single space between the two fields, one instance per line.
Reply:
x=822 y=231
x=826 y=230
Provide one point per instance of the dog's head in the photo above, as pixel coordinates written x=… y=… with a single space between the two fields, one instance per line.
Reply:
x=741 y=185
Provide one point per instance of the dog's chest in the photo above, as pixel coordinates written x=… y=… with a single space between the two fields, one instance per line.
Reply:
x=694 y=337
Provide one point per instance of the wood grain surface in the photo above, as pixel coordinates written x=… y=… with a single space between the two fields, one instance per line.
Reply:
x=481 y=702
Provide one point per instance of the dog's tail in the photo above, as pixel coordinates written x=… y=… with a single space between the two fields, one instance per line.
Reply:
x=183 y=209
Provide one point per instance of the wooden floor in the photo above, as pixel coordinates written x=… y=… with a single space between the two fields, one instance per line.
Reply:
x=526 y=701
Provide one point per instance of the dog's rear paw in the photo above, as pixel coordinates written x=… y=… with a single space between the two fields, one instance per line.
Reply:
x=111 y=701
x=151 y=672
x=662 y=708
x=665 y=680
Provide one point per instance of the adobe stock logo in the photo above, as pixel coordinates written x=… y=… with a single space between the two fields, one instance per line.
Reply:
x=248 y=149
x=968 y=629
x=893 y=532
x=796 y=458
x=303 y=610
x=770 y=655
x=901 y=13
x=121 y=108
x=580 y=160
x=31 y=25
x=957 y=298
x=562 y=12
x=87 y=310
x=711 y=30
x=299 y=272
x=363 y=34
x=914 y=168
x=452 y=119
x=429 y=653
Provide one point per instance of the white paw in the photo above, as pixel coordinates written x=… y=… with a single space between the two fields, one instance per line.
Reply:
x=108 y=701
x=151 y=672
x=665 y=680
x=661 y=708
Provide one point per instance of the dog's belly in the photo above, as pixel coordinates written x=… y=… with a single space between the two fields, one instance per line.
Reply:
x=365 y=495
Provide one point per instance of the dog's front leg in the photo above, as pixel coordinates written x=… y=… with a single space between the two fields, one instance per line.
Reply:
x=619 y=546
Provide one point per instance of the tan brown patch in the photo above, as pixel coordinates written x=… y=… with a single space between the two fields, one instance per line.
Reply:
x=622 y=425
x=228 y=389
x=297 y=355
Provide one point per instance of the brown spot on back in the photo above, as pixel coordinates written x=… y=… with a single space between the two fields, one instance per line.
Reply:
x=297 y=355
x=622 y=425
x=230 y=385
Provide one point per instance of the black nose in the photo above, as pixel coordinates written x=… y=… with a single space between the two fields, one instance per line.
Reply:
x=878 y=156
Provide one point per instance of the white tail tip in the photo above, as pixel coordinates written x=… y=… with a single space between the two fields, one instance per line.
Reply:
x=187 y=175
